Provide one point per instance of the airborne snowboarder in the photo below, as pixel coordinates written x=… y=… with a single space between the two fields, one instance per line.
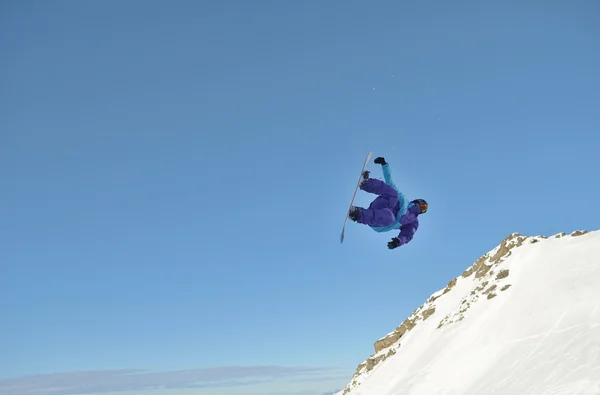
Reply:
x=390 y=210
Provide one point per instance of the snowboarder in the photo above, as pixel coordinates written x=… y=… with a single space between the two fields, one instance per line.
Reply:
x=390 y=210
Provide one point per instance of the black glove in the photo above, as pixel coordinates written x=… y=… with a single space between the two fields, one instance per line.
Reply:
x=380 y=161
x=394 y=243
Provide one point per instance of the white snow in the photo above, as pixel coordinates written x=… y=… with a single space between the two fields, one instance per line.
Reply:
x=539 y=336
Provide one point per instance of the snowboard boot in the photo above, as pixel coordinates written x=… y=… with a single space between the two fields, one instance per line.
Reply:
x=353 y=215
x=364 y=177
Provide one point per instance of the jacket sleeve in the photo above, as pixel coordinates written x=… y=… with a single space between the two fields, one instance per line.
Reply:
x=407 y=232
x=387 y=175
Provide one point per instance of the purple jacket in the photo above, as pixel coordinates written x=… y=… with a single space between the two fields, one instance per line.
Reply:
x=409 y=223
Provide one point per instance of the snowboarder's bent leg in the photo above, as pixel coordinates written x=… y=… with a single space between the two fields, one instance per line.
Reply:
x=378 y=217
x=380 y=212
x=388 y=196
x=381 y=202
x=378 y=187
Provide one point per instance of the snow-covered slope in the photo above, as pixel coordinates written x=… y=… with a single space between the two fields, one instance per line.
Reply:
x=523 y=319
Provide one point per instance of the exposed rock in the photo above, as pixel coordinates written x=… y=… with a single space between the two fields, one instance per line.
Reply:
x=450 y=285
x=579 y=233
x=484 y=264
x=491 y=295
x=393 y=337
x=502 y=274
x=361 y=366
x=504 y=288
x=479 y=288
x=512 y=241
x=482 y=271
x=474 y=267
x=502 y=251
x=428 y=313
x=465 y=308
x=561 y=234
x=409 y=323
x=372 y=362
x=386 y=341
x=490 y=289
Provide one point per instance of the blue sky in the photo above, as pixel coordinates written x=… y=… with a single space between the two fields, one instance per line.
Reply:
x=176 y=175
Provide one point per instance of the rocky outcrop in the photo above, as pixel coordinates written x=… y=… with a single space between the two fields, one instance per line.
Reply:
x=490 y=289
x=428 y=313
x=503 y=274
x=579 y=233
x=420 y=314
x=372 y=362
x=450 y=285
x=388 y=340
x=486 y=276
x=474 y=268
x=366 y=367
x=393 y=337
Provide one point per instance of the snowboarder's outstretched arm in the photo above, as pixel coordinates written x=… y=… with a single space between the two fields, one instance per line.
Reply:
x=387 y=171
x=407 y=232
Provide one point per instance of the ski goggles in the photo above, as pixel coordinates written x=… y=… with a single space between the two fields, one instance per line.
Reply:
x=422 y=205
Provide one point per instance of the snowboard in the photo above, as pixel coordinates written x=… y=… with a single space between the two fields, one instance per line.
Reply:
x=354 y=196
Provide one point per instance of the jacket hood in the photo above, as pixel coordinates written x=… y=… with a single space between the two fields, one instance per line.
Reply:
x=414 y=209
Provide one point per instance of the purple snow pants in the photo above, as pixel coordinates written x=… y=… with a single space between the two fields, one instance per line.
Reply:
x=382 y=211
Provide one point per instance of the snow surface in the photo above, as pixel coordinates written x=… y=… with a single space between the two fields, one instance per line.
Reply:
x=539 y=336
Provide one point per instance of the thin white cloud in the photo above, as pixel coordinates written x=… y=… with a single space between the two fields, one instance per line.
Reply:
x=95 y=382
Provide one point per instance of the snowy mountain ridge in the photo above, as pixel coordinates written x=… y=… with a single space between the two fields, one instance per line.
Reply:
x=501 y=299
